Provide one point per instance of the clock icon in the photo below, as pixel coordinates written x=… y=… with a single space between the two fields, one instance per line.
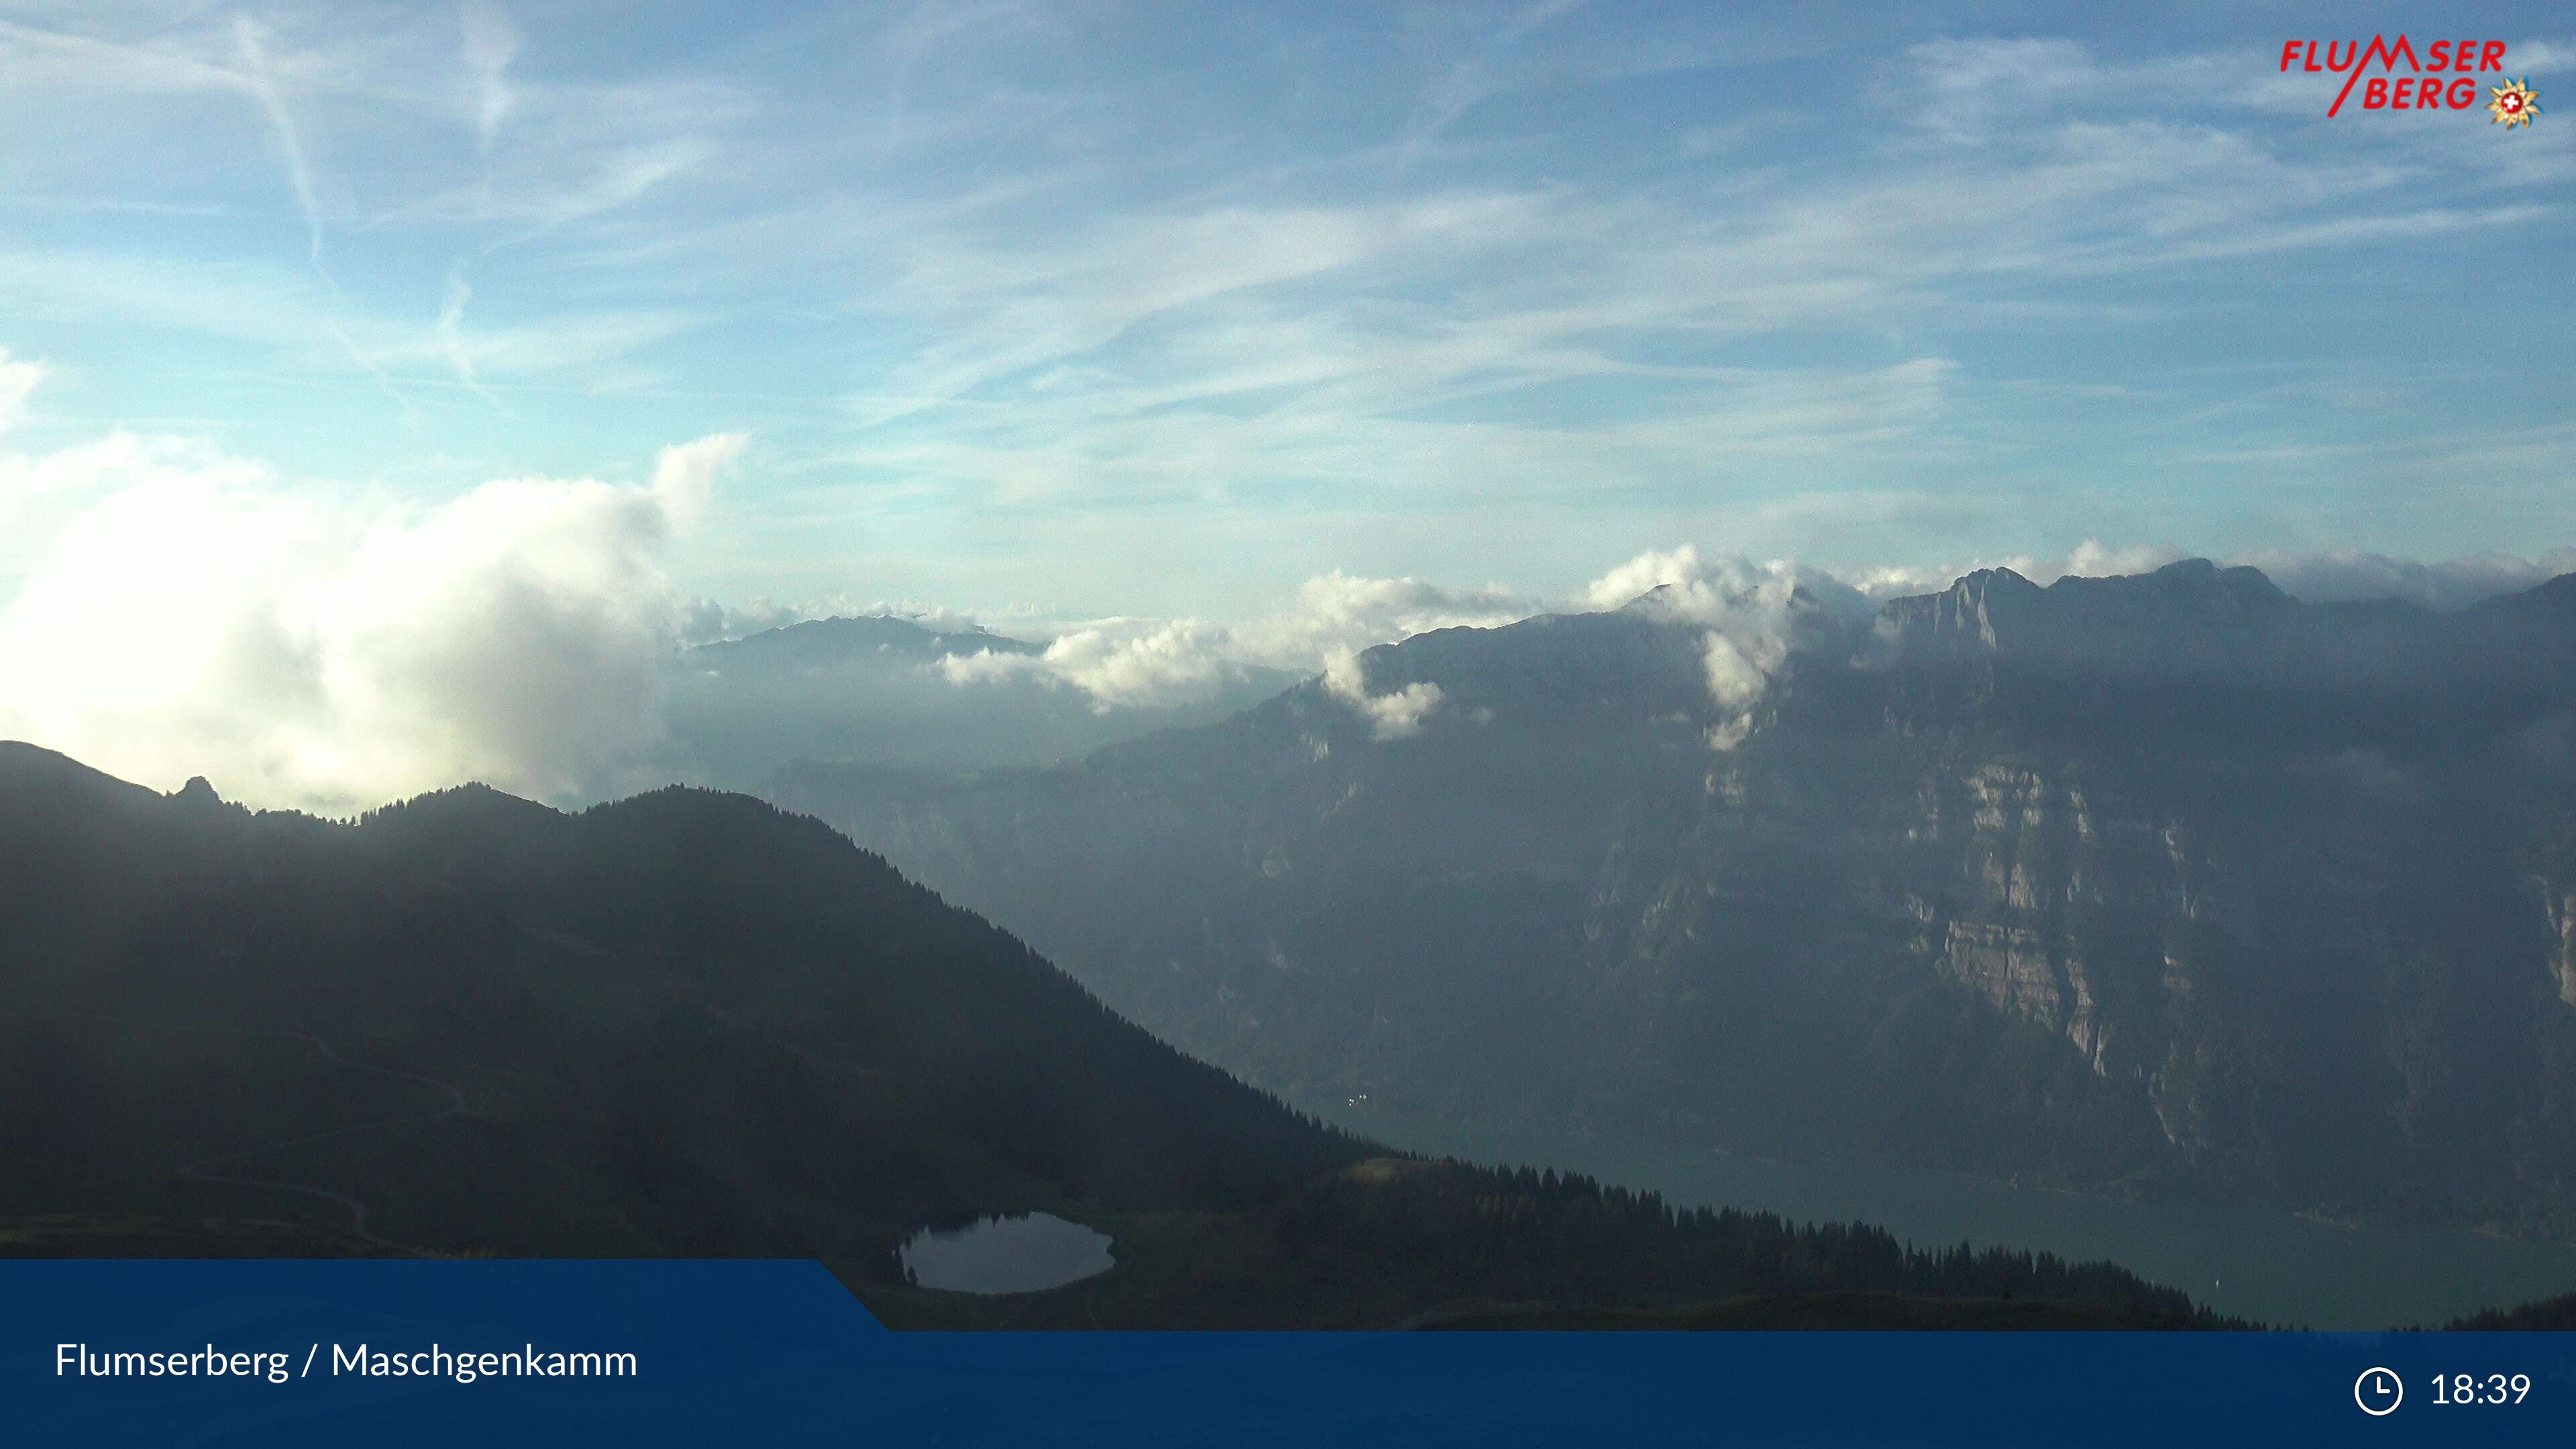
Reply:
x=2378 y=1391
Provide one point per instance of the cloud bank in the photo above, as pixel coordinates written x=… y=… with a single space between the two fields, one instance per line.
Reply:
x=186 y=613
x=1176 y=663
x=1119 y=663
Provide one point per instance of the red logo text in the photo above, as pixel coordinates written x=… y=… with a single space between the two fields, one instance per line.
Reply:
x=2437 y=79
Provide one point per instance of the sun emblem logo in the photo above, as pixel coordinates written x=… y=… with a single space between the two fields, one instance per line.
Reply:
x=2515 y=104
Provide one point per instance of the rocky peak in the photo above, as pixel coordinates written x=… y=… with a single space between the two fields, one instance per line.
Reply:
x=2194 y=589
x=1977 y=613
x=2191 y=615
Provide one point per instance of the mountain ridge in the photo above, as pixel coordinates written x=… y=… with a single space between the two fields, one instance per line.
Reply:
x=2169 y=884
x=816 y=641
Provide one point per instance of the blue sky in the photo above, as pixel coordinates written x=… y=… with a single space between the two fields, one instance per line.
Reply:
x=1166 y=308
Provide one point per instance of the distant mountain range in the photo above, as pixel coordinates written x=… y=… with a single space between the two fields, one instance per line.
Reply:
x=832 y=643
x=2165 y=884
x=687 y=1023
x=872 y=691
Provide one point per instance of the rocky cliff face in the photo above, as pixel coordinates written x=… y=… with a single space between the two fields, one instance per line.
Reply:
x=2560 y=905
x=2167 y=881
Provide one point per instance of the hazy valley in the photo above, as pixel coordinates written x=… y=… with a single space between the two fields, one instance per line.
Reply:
x=2165 y=885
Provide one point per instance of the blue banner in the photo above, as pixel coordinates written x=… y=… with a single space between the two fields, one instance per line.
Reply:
x=650 y=1353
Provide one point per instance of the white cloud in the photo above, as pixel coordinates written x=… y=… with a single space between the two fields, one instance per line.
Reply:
x=1739 y=665
x=2094 y=559
x=1674 y=568
x=1717 y=589
x=187 y=613
x=1118 y=663
x=1393 y=716
x=991 y=666
x=684 y=475
x=1337 y=612
x=1749 y=612
x=704 y=621
x=34 y=489
x=1163 y=663
x=1182 y=662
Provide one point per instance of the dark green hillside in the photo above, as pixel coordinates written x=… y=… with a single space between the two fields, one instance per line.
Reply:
x=685 y=1023
x=2553 y=1314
